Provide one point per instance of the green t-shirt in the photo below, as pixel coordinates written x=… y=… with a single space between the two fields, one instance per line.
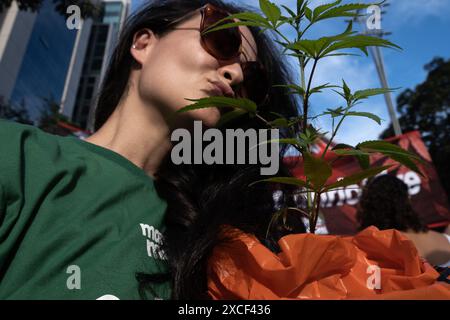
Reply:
x=77 y=221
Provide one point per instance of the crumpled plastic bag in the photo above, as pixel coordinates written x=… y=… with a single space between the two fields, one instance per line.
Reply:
x=373 y=264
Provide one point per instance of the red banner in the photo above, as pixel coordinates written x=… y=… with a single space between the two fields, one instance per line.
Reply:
x=427 y=195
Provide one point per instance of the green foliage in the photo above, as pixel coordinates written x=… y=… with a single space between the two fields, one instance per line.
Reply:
x=271 y=11
x=221 y=102
x=317 y=170
x=357 y=177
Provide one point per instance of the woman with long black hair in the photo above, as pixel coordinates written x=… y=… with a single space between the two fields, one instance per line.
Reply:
x=200 y=199
x=82 y=219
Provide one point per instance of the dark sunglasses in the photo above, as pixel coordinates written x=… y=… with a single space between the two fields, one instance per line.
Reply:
x=226 y=44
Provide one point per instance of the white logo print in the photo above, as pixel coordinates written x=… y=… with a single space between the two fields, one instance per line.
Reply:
x=154 y=241
x=108 y=297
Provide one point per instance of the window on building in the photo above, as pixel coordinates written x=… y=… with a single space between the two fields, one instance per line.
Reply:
x=96 y=64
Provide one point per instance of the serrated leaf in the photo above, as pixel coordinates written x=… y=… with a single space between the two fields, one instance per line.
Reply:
x=316 y=170
x=234 y=24
x=363 y=161
x=301 y=5
x=341 y=54
x=356 y=178
x=316 y=47
x=280 y=123
x=247 y=19
x=271 y=10
x=229 y=116
x=292 y=13
x=347 y=10
x=347 y=92
x=361 y=42
x=281 y=21
x=362 y=157
x=320 y=88
x=394 y=152
x=334 y=112
x=342 y=146
x=384 y=146
x=309 y=47
x=339 y=93
x=369 y=115
x=308 y=14
x=249 y=16
x=220 y=102
x=320 y=9
x=363 y=94
x=406 y=161
x=343 y=152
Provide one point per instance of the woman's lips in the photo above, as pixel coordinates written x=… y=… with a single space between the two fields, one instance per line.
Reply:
x=215 y=91
x=222 y=89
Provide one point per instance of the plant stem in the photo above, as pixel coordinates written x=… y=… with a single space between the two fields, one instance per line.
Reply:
x=333 y=136
x=282 y=36
x=264 y=120
x=306 y=29
x=306 y=100
x=315 y=216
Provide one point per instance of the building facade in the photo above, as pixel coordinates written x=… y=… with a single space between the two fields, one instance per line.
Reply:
x=15 y=30
x=94 y=45
x=35 y=50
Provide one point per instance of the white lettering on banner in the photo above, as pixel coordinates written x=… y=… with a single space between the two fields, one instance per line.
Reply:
x=350 y=194
x=154 y=242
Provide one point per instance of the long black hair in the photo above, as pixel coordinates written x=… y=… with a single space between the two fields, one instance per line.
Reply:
x=385 y=204
x=203 y=198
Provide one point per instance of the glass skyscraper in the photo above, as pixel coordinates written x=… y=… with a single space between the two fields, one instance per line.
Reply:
x=45 y=62
x=94 y=45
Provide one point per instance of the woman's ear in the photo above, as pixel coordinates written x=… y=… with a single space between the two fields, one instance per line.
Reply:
x=143 y=41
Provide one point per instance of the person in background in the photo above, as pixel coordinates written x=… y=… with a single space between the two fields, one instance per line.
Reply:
x=385 y=204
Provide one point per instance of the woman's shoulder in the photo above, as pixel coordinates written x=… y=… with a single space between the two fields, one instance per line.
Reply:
x=11 y=132
x=22 y=142
x=8 y=127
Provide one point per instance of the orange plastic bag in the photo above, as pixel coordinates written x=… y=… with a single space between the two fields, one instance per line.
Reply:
x=373 y=264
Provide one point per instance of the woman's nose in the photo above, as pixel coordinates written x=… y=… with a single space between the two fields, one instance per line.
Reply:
x=232 y=72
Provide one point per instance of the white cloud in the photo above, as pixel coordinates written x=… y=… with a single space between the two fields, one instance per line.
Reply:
x=417 y=9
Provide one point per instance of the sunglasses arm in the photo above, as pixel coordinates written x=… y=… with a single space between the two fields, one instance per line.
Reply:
x=186 y=16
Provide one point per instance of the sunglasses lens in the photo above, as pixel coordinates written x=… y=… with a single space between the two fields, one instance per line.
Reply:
x=222 y=44
x=255 y=86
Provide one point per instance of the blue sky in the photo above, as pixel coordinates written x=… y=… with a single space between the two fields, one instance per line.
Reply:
x=421 y=28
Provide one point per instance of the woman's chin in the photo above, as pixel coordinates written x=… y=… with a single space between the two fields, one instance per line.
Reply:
x=208 y=116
